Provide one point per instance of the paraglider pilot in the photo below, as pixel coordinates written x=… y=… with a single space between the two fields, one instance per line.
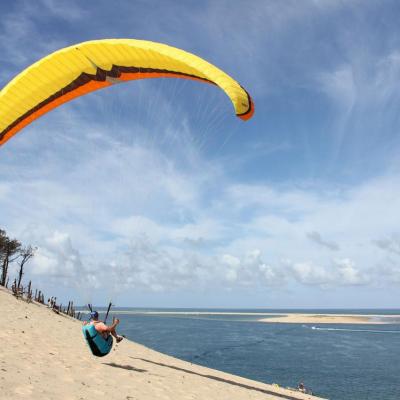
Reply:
x=103 y=329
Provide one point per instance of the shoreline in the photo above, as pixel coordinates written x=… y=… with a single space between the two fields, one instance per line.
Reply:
x=283 y=317
x=44 y=355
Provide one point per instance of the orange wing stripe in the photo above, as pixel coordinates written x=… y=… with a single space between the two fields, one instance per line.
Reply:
x=86 y=83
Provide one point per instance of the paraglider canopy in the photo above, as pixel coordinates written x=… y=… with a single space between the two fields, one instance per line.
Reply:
x=82 y=68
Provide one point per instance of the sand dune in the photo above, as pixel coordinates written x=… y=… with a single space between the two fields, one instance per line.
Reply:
x=43 y=356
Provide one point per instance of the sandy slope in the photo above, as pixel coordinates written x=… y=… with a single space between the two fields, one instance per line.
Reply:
x=43 y=356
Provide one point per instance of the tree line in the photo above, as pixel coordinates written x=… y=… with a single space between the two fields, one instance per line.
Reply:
x=12 y=251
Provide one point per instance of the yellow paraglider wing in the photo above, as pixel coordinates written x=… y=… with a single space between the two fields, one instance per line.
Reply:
x=74 y=71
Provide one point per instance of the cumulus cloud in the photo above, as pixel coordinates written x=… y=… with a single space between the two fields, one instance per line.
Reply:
x=349 y=274
x=249 y=270
x=57 y=261
x=147 y=266
x=244 y=245
x=310 y=274
x=341 y=272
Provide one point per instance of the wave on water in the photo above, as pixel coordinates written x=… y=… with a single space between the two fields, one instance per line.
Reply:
x=315 y=328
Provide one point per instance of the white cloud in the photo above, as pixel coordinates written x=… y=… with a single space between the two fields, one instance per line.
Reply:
x=310 y=274
x=349 y=274
x=132 y=230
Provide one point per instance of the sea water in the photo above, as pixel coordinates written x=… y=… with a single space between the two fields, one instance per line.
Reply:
x=346 y=362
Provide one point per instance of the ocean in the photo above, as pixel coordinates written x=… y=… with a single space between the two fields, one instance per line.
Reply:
x=346 y=362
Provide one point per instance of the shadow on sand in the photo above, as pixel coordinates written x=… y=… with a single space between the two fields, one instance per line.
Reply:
x=127 y=367
x=219 y=379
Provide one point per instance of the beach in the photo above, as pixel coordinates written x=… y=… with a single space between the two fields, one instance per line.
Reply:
x=44 y=356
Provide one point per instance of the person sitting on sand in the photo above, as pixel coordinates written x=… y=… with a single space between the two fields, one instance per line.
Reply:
x=301 y=387
x=104 y=329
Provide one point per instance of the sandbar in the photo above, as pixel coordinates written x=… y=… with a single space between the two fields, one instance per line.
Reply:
x=332 y=319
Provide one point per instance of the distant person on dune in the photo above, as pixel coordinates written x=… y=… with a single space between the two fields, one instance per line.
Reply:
x=301 y=388
x=104 y=329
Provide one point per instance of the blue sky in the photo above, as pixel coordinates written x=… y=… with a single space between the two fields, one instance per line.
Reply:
x=154 y=194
